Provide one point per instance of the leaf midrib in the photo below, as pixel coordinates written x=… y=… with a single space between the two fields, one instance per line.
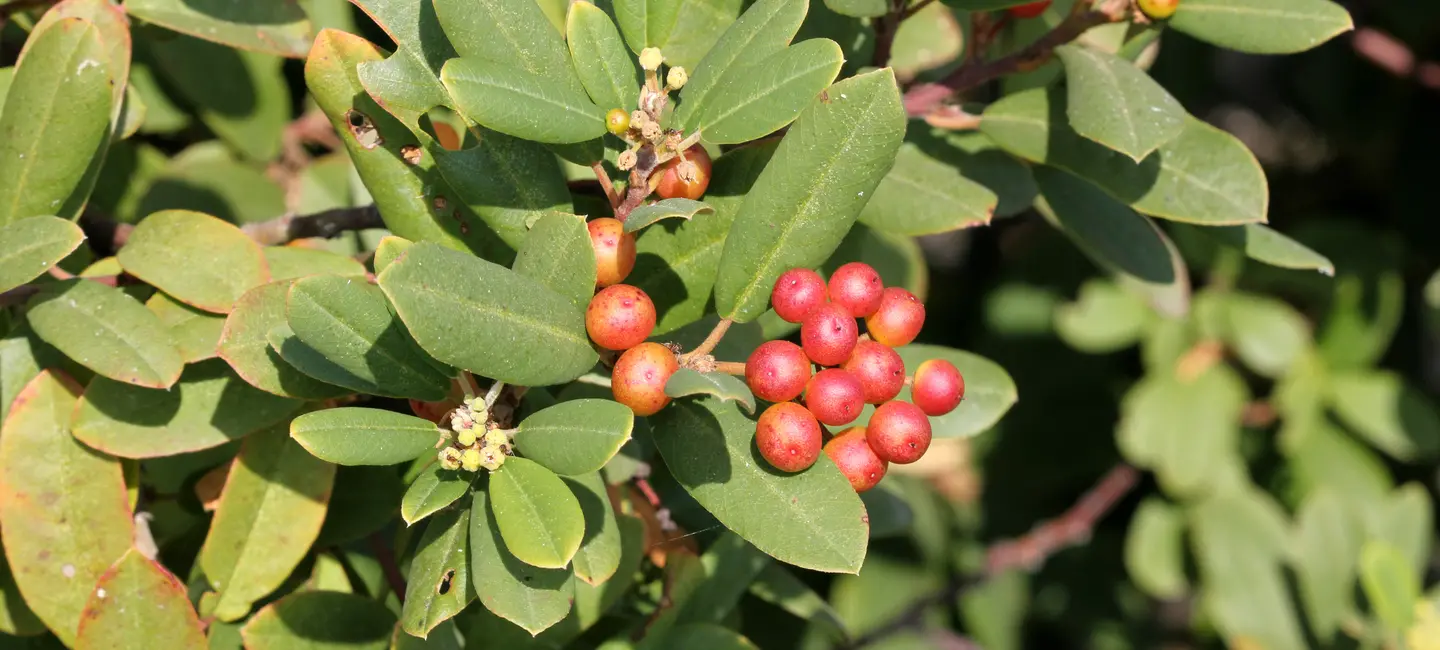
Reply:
x=133 y=347
x=471 y=305
x=547 y=537
x=413 y=373
x=46 y=120
x=494 y=82
x=761 y=94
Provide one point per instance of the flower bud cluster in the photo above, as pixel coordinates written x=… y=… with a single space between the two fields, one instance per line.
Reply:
x=477 y=442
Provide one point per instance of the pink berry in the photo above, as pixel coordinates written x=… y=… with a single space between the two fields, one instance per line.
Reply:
x=938 y=387
x=797 y=293
x=828 y=335
x=777 y=371
x=834 y=396
x=856 y=460
x=899 y=432
x=880 y=370
x=620 y=317
x=788 y=437
x=857 y=287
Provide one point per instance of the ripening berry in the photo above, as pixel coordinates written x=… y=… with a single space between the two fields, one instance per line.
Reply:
x=617 y=121
x=788 y=437
x=938 y=387
x=614 y=251
x=797 y=292
x=777 y=371
x=432 y=411
x=638 y=380
x=834 y=396
x=899 y=319
x=687 y=183
x=880 y=370
x=856 y=460
x=620 y=317
x=828 y=334
x=899 y=432
x=857 y=287
x=1032 y=10
x=1158 y=9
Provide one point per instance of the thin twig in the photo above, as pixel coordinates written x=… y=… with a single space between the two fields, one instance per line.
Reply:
x=386 y=557
x=885 y=28
x=708 y=345
x=916 y=8
x=730 y=367
x=605 y=184
x=327 y=224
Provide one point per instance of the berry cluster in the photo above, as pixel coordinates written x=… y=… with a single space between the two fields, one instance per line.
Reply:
x=853 y=372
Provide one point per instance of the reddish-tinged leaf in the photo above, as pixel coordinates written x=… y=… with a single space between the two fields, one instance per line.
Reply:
x=138 y=604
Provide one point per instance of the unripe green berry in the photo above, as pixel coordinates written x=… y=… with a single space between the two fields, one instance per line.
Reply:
x=675 y=79
x=651 y=58
x=617 y=121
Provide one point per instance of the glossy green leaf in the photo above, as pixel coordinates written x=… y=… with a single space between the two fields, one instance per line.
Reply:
x=1155 y=550
x=240 y=95
x=922 y=195
x=1104 y=318
x=107 y=331
x=646 y=23
x=195 y=333
x=1116 y=104
x=1267 y=334
x=320 y=619
x=575 y=437
x=407 y=84
x=1205 y=176
x=274 y=26
x=1261 y=243
x=859 y=8
x=364 y=500
x=487 y=319
x=138 y=604
x=439 y=585
x=1391 y=586
x=64 y=518
x=709 y=447
x=764 y=29
x=539 y=517
x=1262 y=26
x=778 y=586
x=244 y=344
x=434 y=488
x=1191 y=458
x=606 y=68
x=600 y=549
x=514 y=102
x=515 y=34
x=558 y=254
x=389 y=250
x=666 y=209
x=823 y=173
x=686 y=382
x=291 y=262
x=196 y=258
x=759 y=99
x=1327 y=542
x=699 y=25
x=531 y=597
x=989 y=390
x=1388 y=412
x=31 y=246
x=207 y=408
x=312 y=364
x=349 y=322
x=1238 y=539
x=508 y=182
x=56 y=119
x=364 y=436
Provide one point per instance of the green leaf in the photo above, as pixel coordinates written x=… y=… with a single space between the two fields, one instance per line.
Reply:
x=107 y=331
x=272 y=26
x=1268 y=335
x=531 y=597
x=890 y=515
x=206 y=177
x=575 y=437
x=1404 y=519
x=539 y=517
x=196 y=258
x=528 y=106
x=56 y=119
x=407 y=83
x=159 y=615
x=64 y=518
x=349 y=322
x=16 y=619
x=778 y=586
x=1238 y=539
x=1116 y=104
x=31 y=246
x=513 y=34
x=1188 y=459
x=364 y=500
x=606 y=68
x=923 y=195
x=362 y=436
x=389 y=250
x=196 y=334
x=439 y=583
x=1264 y=244
x=244 y=345
x=508 y=182
x=897 y=258
x=646 y=23
x=600 y=549
x=667 y=209
x=1327 y=541
x=292 y=262
x=1104 y=318
x=434 y=489
x=558 y=254
x=686 y=382
x=487 y=319
x=324 y=619
x=1205 y=176
x=859 y=8
x=759 y=99
x=698 y=27
x=989 y=390
x=208 y=407
x=931 y=37
x=763 y=30
x=242 y=96
x=708 y=446
x=883 y=590
x=823 y=173
x=1155 y=550
x=731 y=564
x=1388 y=412
x=312 y=364
x=1262 y=26
x=702 y=636
x=1391 y=586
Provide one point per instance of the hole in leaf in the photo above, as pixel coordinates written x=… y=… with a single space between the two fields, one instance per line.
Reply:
x=363 y=129
x=445 y=580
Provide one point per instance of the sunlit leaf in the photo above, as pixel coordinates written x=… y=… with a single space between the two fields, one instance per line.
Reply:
x=107 y=331
x=137 y=604
x=686 y=382
x=364 y=436
x=196 y=258
x=31 y=246
x=439 y=584
x=326 y=619
x=1262 y=26
x=274 y=26
x=1116 y=104
x=528 y=596
x=537 y=514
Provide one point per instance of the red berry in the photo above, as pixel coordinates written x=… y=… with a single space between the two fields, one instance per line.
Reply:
x=614 y=251
x=857 y=287
x=620 y=317
x=834 y=396
x=638 y=380
x=672 y=186
x=777 y=371
x=899 y=432
x=938 y=387
x=856 y=460
x=1032 y=10
x=880 y=370
x=797 y=293
x=828 y=334
x=899 y=319
x=788 y=437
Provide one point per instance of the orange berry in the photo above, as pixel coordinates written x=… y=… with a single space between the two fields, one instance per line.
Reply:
x=899 y=319
x=614 y=250
x=672 y=186
x=856 y=460
x=620 y=317
x=938 y=387
x=788 y=437
x=898 y=432
x=777 y=371
x=638 y=380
